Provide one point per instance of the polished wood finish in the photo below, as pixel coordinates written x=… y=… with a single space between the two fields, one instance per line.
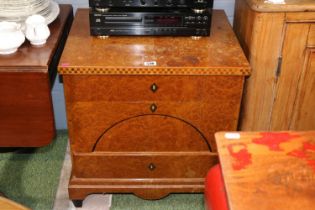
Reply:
x=287 y=6
x=218 y=54
x=268 y=170
x=148 y=130
x=278 y=46
x=7 y=204
x=26 y=112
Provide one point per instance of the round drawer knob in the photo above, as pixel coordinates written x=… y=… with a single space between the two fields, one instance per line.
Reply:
x=153 y=107
x=154 y=88
x=151 y=167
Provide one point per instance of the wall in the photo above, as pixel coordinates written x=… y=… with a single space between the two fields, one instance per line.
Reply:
x=57 y=92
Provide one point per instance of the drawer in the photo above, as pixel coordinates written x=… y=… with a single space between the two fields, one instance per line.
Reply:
x=133 y=123
x=142 y=165
x=132 y=88
x=150 y=88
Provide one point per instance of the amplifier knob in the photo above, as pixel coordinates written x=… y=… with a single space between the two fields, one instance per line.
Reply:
x=142 y=2
x=169 y=1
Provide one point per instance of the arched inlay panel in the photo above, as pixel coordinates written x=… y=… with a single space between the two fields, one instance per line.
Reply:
x=152 y=133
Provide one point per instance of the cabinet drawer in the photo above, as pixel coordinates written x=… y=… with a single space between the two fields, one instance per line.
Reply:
x=143 y=165
x=133 y=88
x=149 y=88
x=134 y=123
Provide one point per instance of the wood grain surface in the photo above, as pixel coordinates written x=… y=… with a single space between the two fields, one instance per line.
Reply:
x=268 y=170
x=287 y=5
x=278 y=46
x=7 y=204
x=26 y=110
x=218 y=54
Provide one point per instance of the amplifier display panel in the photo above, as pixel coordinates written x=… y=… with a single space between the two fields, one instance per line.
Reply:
x=152 y=3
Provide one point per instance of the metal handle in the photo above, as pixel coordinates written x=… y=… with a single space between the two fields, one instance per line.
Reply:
x=154 y=87
x=151 y=167
x=153 y=107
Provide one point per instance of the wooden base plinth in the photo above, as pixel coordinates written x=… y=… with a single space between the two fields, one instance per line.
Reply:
x=150 y=189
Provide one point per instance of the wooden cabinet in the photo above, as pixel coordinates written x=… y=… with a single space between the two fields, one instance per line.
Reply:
x=279 y=41
x=26 y=79
x=148 y=130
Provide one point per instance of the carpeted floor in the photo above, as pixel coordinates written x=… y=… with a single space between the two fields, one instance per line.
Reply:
x=31 y=176
x=171 y=202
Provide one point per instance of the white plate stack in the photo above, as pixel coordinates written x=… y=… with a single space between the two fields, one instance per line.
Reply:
x=19 y=10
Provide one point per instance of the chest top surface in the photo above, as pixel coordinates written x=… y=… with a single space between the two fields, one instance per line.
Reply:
x=218 y=54
x=282 y=6
x=275 y=170
x=35 y=58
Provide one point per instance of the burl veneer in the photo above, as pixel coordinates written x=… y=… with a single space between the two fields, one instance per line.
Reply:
x=148 y=130
x=26 y=111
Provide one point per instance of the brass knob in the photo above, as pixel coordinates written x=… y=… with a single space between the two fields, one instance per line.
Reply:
x=153 y=107
x=154 y=87
x=151 y=167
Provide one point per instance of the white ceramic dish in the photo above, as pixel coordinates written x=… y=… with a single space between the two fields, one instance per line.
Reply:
x=11 y=37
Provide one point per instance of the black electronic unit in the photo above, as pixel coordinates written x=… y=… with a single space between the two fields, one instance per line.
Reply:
x=152 y=3
x=137 y=21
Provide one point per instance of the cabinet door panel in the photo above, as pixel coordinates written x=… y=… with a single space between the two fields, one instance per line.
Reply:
x=293 y=55
x=304 y=115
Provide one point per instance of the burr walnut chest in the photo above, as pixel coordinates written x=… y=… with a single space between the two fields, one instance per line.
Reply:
x=142 y=111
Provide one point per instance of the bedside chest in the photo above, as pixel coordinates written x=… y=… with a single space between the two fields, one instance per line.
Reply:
x=26 y=79
x=142 y=111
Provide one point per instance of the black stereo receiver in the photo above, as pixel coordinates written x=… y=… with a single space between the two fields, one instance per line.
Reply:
x=166 y=22
x=152 y=3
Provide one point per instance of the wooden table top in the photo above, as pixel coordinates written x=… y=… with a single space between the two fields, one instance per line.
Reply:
x=33 y=59
x=218 y=54
x=265 y=171
x=286 y=6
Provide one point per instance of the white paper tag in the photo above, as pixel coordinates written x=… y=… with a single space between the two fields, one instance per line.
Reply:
x=150 y=63
x=232 y=135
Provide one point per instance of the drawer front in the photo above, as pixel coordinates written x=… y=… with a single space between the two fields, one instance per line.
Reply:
x=133 y=88
x=144 y=165
x=133 y=123
x=149 y=88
